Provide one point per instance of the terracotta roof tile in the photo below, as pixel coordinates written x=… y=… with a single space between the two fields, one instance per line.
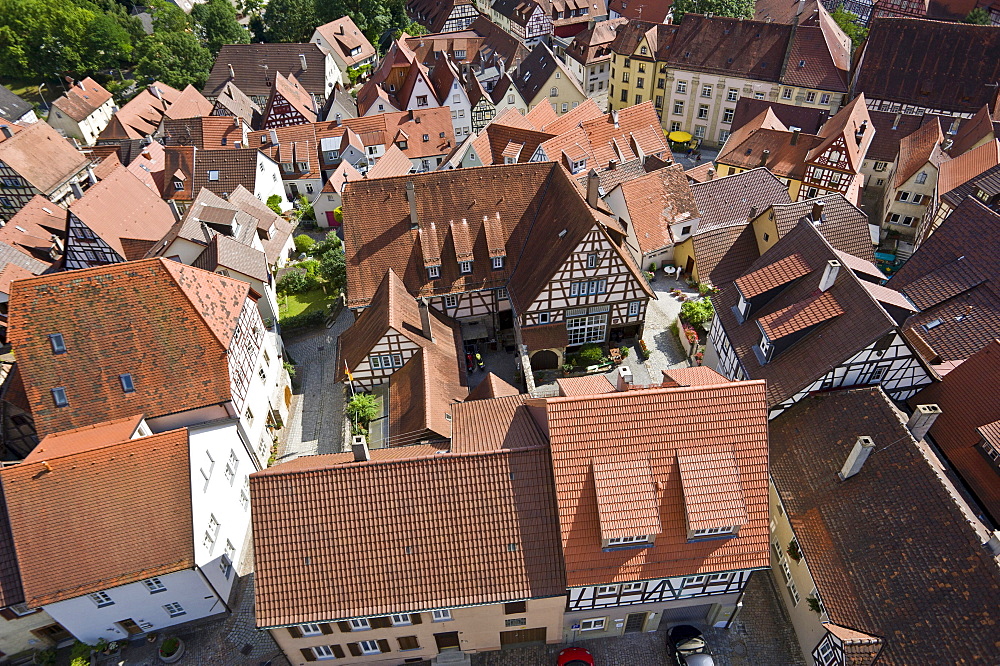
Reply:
x=937 y=563
x=547 y=336
x=699 y=375
x=890 y=128
x=773 y=275
x=807 y=313
x=248 y=61
x=496 y=423
x=85 y=438
x=725 y=201
x=656 y=201
x=422 y=396
x=626 y=498
x=236 y=103
x=344 y=35
x=713 y=492
x=859 y=266
x=211 y=132
x=142 y=115
x=917 y=149
x=979 y=127
x=724 y=253
x=842 y=223
x=807 y=119
x=189 y=104
x=968 y=166
x=41 y=157
x=295 y=94
x=491 y=386
x=392 y=163
x=175 y=353
x=82 y=99
x=509 y=552
x=11 y=591
x=657 y=425
x=74 y=501
x=586 y=385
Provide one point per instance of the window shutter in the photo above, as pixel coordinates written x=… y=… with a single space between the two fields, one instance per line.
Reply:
x=338 y=651
x=354 y=649
x=326 y=628
x=380 y=622
x=7 y=614
x=308 y=654
x=383 y=645
x=416 y=618
x=344 y=626
x=295 y=632
x=899 y=195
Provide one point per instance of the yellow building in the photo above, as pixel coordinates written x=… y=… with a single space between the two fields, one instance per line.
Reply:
x=695 y=83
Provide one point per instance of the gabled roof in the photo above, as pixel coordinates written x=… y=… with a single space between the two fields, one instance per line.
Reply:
x=491 y=386
x=295 y=94
x=272 y=229
x=41 y=157
x=225 y=252
x=393 y=162
x=238 y=104
x=648 y=10
x=897 y=498
x=497 y=505
x=819 y=56
x=845 y=127
x=433 y=14
x=932 y=64
x=175 y=352
x=203 y=132
x=728 y=417
x=917 y=149
x=890 y=128
x=422 y=395
x=345 y=36
x=981 y=126
x=73 y=498
x=843 y=224
x=12 y=107
x=142 y=115
x=30 y=232
x=235 y=167
x=593 y=44
x=249 y=60
x=189 y=104
x=586 y=385
x=832 y=340
x=656 y=201
x=808 y=119
x=383 y=128
x=82 y=99
x=11 y=591
x=535 y=71
x=726 y=201
x=954 y=278
x=969 y=414
x=965 y=168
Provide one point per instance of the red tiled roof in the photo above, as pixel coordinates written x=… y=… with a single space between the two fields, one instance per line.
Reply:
x=422 y=396
x=175 y=352
x=85 y=438
x=295 y=94
x=344 y=35
x=491 y=386
x=713 y=489
x=773 y=275
x=657 y=425
x=723 y=253
x=586 y=385
x=189 y=104
x=626 y=497
x=82 y=99
x=967 y=166
x=699 y=375
x=725 y=201
x=656 y=201
x=392 y=163
x=12 y=272
x=814 y=310
x=142 y=115
x=478 y=528
x=937 y=566
x=890 y=128
x=41 y=157
x=842 y=224
x=249 y=60
x=73 y=501
x=496 y=423
x=917 y=149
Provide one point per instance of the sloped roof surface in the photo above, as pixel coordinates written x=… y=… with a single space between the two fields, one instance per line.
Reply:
x=253 y=79
x=82 y=99
x=502 y=422
x=40 y=156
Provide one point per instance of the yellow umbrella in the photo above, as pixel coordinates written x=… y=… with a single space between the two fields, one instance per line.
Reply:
x=679 y=137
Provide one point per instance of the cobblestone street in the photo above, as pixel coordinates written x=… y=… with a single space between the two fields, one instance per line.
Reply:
x=316 y=417
x=760 y=636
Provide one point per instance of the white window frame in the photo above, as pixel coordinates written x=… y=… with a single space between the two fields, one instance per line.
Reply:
x=733 y=95
x=593 y=624
x=682 y=87
x=628 y=541
x=310 y=630
x=706 y=91
x=591 y=328
x=544 y=318
x=634 y=308
x=154 y=585
x=593 y=260
x=322 y=652
x=711 y=531
x=360 y=624
x=497 y=263
x=465 y=267
x=632 y=588
x=433 y=272
x=786 y=93
x=441 y=615
x=101 y=599
x=451 y=301
x=403 y=620
x=174 y=609
x=369 y=647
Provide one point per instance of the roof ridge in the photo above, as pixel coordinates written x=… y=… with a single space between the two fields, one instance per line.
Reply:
x=652 y=390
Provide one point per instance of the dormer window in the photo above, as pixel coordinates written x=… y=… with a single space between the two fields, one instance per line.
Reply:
x=59 y=396
x=58 y=346
x=497 y=263
x=433 y=272
x=764 y=348
x=579 y=165
x=178 y=186
x=128 y=386
x=465 y=267
x=623 y=542
x=403 y=145
x=710 y=532
x=742 y=308
x=421 y=100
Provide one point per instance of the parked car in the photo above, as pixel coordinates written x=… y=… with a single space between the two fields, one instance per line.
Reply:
x=689 y=646
x=575 y=656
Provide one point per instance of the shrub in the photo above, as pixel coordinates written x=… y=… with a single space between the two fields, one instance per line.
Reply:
x=567 y=368
x=296 y=282
x=590 y=354
x=331 y=242
x=363 y=409
x=625 y=352
x=289 y=368
x=169 y=647
x=306 y=209
x=304 y=320
x=274 y=203
x=310 y=266
x=333 y=268
x=698 y=312
x=304 y=243
x=79 y=654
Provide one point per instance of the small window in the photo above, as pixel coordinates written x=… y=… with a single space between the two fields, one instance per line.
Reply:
x=310 y=629
x=544 y=318
x=174 y=609
x=231 y=466
x=515 y=608
x=786 y=93
x=178 y=185
x=732 y=95
x=465 y=267
x=433 y=272
x=810 y=96
x=101 y=599
x=322 y=652
x=154 y=585
x=58 y=346
x=593 y=260
x=213 y=175
x=497 y=263
x=633 y=308
x=360 y=624
x=712 y=531
x=400 y=620
x=632 y=588
x=128 y=386
x=594 y=624
x=408 y=643
x=628 y=541
x=59 y=396
x=933 y=323
x=369 y=647
x=451 y=301
x=441 y=615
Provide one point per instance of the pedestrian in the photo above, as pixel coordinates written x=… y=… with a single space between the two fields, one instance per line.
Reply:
x=690 y=150
x=697 y=156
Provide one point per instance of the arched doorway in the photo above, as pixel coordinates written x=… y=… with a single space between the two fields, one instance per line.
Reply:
x=545 y=360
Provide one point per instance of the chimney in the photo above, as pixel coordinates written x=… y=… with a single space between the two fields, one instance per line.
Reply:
x=425 y=320
x=412 y=198
x=763 y=157
x=859 y=454
x=993 y=545
x=614 y=117
x=156 y=92
x=624 y=378
x=895 y=121
x=6 y=131
x=274 y=136
x=753 y=212
x=817 y=213
x=81 y=86
x=91 y=176
x=829 y=274
x=341 y=29
x=711 y=174
x=612 y=165
x=922 y=420
x=302 y=59
x=593 y=188
x=232 y=72
x=359 y=447
x=77 y=192
x=174 y=209
x=795 y=136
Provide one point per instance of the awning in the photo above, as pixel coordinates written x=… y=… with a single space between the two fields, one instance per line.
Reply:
x=679 y=137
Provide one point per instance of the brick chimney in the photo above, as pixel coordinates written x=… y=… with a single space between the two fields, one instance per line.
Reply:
x=922 y=420
x=829 y=274
x=795 y=136
x=624 y=378
x=593 y=188
x=425 y=320
x=763 y=157
x=412 y=198
x=859 y=454
x=817 y=213
x=359 y=447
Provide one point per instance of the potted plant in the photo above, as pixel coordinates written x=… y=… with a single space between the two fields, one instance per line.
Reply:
x=814 y=605
x=625 y=352
x=171 y=650
x=567 y=368
x=793 y=550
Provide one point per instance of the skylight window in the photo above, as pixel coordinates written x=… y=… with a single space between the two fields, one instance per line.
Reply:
x=213 y=175
x=933 y=323
x=59 y=396
x=58 y=346
x=128 y=386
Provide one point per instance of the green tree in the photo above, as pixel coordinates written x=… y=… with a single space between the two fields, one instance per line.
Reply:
x=39 y=38
x=290 y=20
x=108 y=44
x=274 y=203
x=413 y=29
x=303 y=243
x=363 y=409
x=167 y=17
x=328 y=244
x=215 y=22
x=848 y=22
x=333 y=268
x=697 y=313
x=978 y=16
x=733 y=8
x=176 y=58
x=373 y=17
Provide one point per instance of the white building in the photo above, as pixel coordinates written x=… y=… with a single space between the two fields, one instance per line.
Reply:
x=83 y=112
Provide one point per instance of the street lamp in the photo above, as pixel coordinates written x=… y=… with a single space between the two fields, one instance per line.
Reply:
x=45 y=104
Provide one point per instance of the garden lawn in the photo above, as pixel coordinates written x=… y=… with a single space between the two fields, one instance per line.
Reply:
x=290 y=305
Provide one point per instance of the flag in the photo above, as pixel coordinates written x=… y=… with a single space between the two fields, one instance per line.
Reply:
x=350 y=377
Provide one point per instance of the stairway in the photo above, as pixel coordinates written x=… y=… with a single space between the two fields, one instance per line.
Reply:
x=451 y=657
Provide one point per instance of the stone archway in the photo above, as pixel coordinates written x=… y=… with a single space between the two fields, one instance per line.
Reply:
x=545 y=359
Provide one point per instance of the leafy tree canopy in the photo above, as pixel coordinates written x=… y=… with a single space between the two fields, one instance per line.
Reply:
x=373 y=17
x=176 y=58
x=848 y=22
x=215 y=22
x=978 y=16
x=733 y=8
x=290 y=20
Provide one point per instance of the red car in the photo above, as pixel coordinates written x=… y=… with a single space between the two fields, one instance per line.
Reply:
x=575 y=656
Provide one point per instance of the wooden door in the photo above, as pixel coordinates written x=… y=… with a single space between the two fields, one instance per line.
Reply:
x=447 y=640
x=634 y=622
x=130 y=626
x=522 y=636
x=689 y=268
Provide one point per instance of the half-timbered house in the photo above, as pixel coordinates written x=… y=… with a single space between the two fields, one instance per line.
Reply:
x=118 y=219
x=443 y=15
x=233 y=102
x=34 y=159
x=803 y=319
x=509 y=250
x=187 y=170
x=289 y=104
x=527 y=20
x=252 y=67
